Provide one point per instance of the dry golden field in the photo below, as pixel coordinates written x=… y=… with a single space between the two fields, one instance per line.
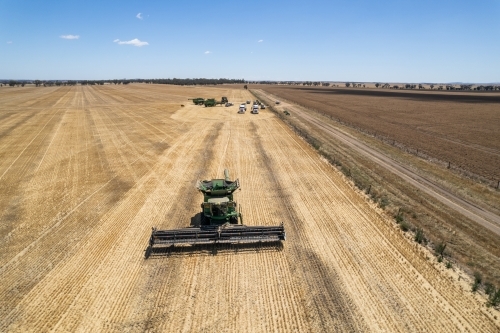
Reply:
x=86 y=171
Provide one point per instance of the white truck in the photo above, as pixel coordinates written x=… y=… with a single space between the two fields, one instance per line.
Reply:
x=255 y=109
x=243 y=108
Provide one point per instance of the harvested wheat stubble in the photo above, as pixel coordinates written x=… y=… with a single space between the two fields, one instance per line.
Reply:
x=87 y=171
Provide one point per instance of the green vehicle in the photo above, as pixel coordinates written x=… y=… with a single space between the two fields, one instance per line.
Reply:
x=213 y=102
x=220 y=221
x=218 y=206
x=198 y=101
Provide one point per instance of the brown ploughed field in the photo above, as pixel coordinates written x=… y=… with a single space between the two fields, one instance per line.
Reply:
x=462 y=128
x=86 y=171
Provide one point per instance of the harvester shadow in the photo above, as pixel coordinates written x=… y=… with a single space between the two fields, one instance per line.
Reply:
x=215 y=249
x=196 y=220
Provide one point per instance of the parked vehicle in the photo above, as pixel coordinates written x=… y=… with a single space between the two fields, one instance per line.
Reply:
x=242 y=109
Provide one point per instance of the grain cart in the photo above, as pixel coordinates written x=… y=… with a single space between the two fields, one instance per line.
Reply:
x=213 y=102
x=221 y=221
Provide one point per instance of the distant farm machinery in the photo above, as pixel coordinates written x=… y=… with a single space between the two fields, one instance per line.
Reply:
x=221 y=221
x=209 y=102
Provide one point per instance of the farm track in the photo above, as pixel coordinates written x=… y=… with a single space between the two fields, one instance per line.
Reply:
x=86 y=178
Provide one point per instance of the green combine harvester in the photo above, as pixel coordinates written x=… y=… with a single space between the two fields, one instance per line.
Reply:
x=221 y=221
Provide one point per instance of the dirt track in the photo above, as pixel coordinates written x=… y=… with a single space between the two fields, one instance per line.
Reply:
x=85 y=172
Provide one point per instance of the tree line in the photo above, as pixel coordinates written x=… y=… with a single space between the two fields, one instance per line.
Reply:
x=204 y=81
x=174 y=81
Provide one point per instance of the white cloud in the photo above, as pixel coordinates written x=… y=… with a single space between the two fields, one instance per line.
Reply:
x=139 y=16
x=69 y=36
x=9 y=42
x=260 y=41
x=208 y=52
x=134 y=42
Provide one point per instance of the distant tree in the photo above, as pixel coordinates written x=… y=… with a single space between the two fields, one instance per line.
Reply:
x=22 y=84
x=407 y=86
x=347 y=84
x=432 y=86
x=245 y=86
x=420 y=86
x=377 y=85
x=12 y=83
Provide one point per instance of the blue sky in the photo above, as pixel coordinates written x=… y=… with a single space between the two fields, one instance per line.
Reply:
x=366 y=41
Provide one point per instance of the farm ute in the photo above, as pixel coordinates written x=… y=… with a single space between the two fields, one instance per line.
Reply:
x=221 y=221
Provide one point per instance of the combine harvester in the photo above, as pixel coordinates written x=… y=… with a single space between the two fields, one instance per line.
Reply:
x=221 y=221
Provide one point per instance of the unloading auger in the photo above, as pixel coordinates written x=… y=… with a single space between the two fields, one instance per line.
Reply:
x=221 y=221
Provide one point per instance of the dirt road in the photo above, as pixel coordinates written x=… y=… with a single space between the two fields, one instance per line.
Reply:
x=486 y=218
x=87 y=171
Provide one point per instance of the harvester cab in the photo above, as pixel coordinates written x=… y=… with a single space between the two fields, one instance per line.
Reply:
x=221 y=221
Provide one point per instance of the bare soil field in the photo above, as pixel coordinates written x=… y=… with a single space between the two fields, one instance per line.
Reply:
x=85 y=172
x=462 y=128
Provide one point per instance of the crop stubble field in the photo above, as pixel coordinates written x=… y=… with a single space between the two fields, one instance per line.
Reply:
x=85 y=172
x=457 y=127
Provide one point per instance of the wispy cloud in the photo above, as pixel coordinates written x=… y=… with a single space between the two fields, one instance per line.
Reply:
x=70 y=37
x=139 y=16
x=9 y=42
x=134 y=42
x=260 y=41
x=208 y=52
